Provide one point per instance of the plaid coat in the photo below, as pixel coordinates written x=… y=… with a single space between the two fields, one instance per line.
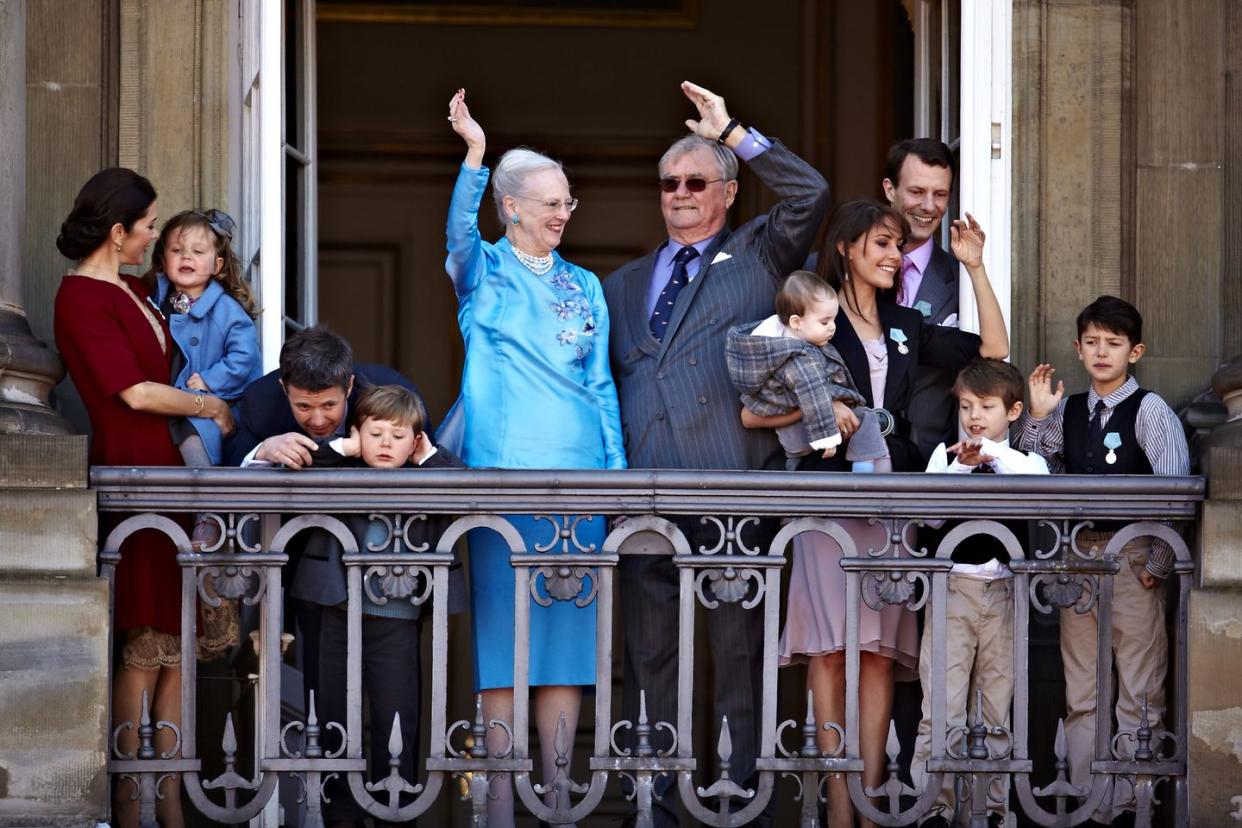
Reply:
x=776 y=374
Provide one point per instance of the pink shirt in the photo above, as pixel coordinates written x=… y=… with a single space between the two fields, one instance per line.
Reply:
x=913 y=266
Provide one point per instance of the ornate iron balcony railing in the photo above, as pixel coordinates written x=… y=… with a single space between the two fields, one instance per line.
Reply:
x=248 y=565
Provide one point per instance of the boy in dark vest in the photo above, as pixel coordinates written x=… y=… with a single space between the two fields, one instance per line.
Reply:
x=1116 y=427
x=978 y=629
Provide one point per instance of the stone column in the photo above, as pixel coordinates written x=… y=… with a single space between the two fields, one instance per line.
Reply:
x=28 y=370
x=1215 y=738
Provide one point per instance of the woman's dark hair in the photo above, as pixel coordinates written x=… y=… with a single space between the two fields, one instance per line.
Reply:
x=112 y=196
x=847 y=224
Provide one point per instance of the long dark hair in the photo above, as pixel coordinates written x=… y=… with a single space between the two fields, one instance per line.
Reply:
x=230 y=276
x=847 y=224
x=113 y=196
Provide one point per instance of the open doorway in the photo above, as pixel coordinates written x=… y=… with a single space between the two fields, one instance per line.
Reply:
x=833 y=80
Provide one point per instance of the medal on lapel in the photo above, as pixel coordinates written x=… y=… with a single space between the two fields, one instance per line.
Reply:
x=1112 y=442
x=923 y=307
x=899 y=336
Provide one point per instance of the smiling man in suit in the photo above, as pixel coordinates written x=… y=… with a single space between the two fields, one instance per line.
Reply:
x=918 y=182
x=671 y=311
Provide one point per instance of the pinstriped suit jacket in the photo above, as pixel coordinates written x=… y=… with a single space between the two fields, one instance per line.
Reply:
x=679 y=409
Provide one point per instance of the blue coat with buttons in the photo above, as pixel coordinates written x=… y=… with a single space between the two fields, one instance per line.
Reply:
x=221 y=344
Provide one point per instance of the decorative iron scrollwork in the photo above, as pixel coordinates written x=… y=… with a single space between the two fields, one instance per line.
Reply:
x=730 y=585
x=1063 y=590
x=730 y=535
x=881 y=589
x=397 y=539
x=398 y=582
x=565 y=533
x=563 y=583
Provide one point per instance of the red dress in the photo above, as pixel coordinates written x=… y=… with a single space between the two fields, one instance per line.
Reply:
x=108 y=344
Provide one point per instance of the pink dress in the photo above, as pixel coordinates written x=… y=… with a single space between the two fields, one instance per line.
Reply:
x=815 y=617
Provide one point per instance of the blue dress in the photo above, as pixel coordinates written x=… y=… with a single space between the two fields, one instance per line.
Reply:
x=536 y=392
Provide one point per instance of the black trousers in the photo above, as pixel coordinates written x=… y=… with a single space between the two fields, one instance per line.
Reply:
x=391 y=680
x=649 y=608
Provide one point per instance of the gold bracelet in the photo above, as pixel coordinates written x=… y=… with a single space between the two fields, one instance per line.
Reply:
x=199 y=400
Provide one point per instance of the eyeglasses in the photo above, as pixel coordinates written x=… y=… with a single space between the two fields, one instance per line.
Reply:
x=694 y=184
x=554 y=205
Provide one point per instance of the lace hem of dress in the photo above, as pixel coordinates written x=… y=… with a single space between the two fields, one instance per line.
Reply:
x=149 y=649
x=220 y=630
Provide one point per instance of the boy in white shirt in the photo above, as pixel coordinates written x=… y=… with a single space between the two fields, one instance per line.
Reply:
x=979 y=615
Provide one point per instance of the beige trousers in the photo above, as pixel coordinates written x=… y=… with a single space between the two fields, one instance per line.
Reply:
x=1141 y=657
x=978 y=657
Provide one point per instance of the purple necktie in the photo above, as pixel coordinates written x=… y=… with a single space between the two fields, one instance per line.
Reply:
x=668 y=297
x=907 y=295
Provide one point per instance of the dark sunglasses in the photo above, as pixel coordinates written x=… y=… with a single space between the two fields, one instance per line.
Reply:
x=694 y=184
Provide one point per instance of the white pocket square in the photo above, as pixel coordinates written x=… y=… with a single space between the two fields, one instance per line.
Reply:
x=721 y=257
x=949 y=321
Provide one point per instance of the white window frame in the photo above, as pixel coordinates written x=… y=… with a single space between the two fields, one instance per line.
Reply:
x=986 y=150
x=983 y=139
x=264 y=158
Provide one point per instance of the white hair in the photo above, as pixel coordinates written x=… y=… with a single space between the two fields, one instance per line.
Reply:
x=510 y=177
x=691 y=143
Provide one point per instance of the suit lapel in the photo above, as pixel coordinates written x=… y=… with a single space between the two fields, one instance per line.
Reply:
x=855 y=357
x=637 y=280
x=939 y=285
x=686 y=298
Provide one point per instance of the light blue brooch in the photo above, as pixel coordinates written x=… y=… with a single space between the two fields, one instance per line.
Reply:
x=1112 y=442
x=923 y=307
x=899 y=336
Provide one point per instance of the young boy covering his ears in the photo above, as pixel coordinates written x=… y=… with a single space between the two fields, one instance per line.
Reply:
x=388 y=434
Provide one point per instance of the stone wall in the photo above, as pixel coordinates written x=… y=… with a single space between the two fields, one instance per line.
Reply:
x=1128 y=163
x=54 y=638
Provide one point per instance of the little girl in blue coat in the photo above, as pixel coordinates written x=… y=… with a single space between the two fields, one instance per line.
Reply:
x=197 y=281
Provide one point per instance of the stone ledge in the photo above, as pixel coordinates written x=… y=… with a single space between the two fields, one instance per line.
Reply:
x=48 y=532
x=1214 y=743
x=1220 y=545
x=1223 y=466
x=53 y=701
x=38 y=461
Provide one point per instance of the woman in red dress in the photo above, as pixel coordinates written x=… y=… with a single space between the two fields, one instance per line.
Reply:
x=118 y=350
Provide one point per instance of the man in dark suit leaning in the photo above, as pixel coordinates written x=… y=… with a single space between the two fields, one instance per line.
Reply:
x=286 y=414
x=670 y=312
x=918 y=182
x=283 y=418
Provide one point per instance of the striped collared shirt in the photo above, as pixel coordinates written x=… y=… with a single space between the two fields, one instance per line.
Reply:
x=1159 y=434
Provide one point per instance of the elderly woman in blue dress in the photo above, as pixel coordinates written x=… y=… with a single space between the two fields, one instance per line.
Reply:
x=536 y=392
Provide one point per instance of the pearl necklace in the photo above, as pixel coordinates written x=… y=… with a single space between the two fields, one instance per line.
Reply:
x=537 y=265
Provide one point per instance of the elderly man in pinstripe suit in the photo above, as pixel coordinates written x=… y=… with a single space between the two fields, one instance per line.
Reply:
x=670 y=313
